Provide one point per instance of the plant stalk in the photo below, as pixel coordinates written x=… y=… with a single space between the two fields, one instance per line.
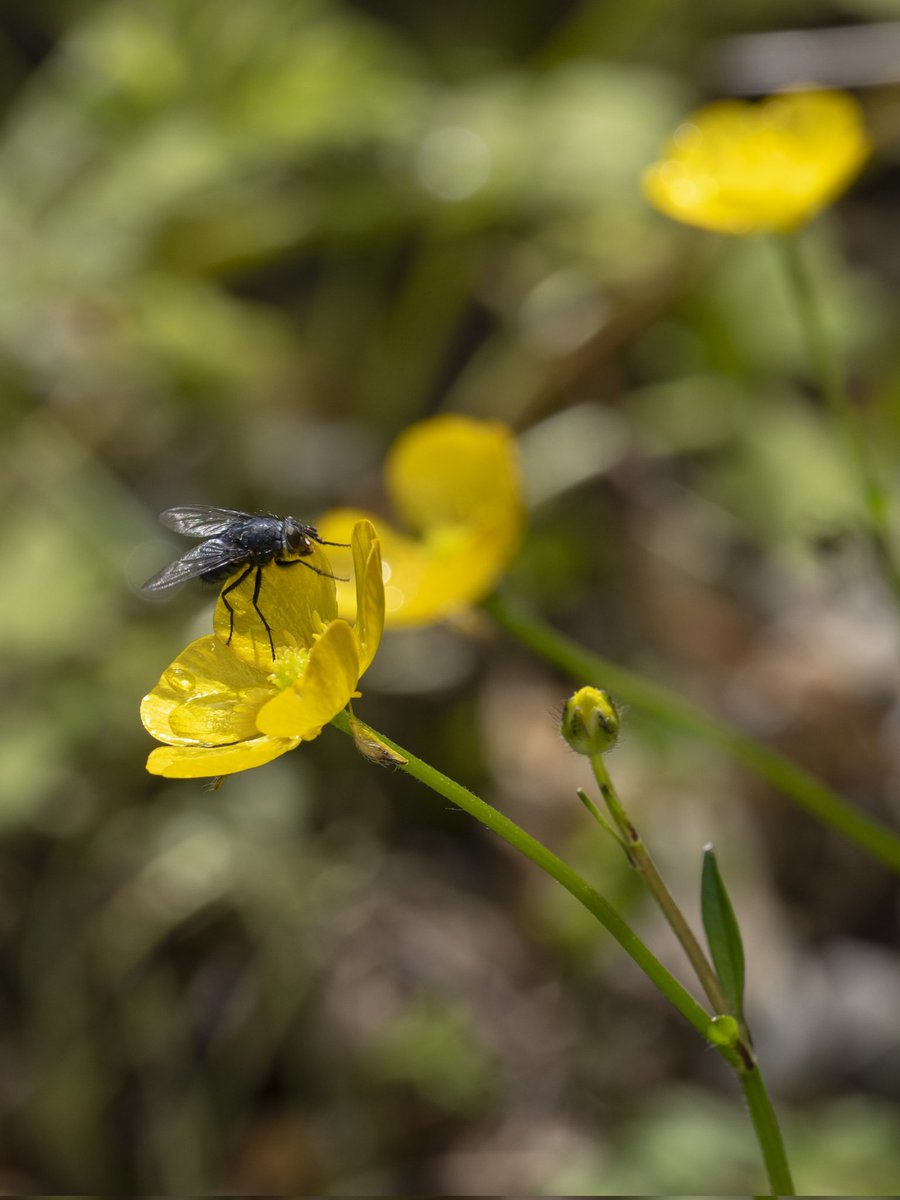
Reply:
x=656 y=700
x=642 y=861
x=739 y=1055
x=834 y=390
x=768 y=1131
x=574 y=883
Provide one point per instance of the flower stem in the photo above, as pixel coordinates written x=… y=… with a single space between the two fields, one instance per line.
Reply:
x=738 y=1054
x=768 y=1132
x=642 y=861
x=658 y=701
x=765 y=1123
x=547 y=861
x=834 y=390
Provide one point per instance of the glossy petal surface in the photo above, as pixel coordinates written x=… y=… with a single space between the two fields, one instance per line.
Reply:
x=368 y=575
x=204 y=696
x=200 y=762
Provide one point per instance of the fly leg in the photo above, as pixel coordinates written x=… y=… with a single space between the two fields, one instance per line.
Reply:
x=293 y=562
x=256 y=588
x=230 y=588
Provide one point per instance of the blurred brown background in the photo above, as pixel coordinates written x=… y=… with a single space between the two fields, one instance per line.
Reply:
x=243 y=246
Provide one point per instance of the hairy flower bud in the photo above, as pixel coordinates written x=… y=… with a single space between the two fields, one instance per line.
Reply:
x=590 y=722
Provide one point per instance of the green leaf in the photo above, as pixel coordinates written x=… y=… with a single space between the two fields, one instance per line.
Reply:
x=722 y=932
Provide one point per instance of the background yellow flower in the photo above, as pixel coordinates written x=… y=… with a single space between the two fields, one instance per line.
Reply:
x=455 y=483
x=738 y=168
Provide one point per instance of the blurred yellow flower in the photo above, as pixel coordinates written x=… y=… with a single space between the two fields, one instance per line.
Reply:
x=736 y=167
x=221 y=708
x=455 y=482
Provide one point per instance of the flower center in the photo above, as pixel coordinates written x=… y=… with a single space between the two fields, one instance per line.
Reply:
x=291 y=665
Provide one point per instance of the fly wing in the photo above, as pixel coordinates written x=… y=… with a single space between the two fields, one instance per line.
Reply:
x=211 y=555
x=202 y=520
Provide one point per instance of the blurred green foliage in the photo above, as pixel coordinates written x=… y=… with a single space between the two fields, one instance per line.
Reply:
x=243 y=246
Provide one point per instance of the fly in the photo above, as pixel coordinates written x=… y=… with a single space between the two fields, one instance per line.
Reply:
x=233 y=539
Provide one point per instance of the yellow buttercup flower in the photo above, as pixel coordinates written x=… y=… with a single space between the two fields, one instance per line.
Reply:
x=225 y=706
x=455 y=482
x=736 y=167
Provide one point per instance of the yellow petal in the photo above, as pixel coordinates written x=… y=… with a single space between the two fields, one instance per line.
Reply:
x=436 y=577
x=295 y=600
x=456 y=479
x=738 y=168
x=453 y=470
x=200 y=762
x=219 y=719
x=367 y=571
x=337 y=525
x=204 y=674
x=452 y=568
x=327 y=685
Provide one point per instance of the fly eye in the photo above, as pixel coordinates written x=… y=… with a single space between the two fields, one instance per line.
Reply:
x=299 y=542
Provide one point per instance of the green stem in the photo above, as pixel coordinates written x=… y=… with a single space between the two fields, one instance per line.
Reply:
x=547 y=861
x=738 y=1054
x=658 y=701
x=834 y=390
x=643 y=863
x=768 y=1133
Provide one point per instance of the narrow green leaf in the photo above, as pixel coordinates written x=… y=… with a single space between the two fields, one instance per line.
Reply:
x=722 y=932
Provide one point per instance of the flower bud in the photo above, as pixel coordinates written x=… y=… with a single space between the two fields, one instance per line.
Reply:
x=590 y=723
x=373 y=748
x=723 y=1031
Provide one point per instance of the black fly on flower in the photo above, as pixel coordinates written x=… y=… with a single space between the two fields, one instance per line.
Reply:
x=233 y=539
